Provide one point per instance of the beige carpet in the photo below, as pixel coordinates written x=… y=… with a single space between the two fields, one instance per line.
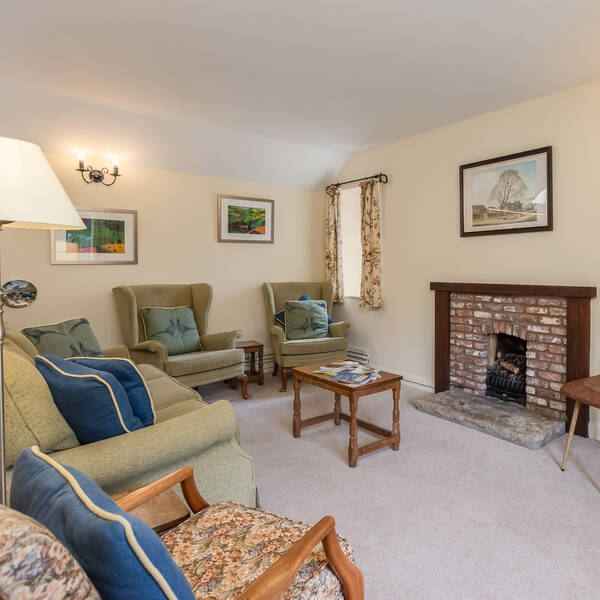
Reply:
x=455 y=514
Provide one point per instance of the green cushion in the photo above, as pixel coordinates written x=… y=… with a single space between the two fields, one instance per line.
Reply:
x=32 y=417
x=174 y=327
x=306 y=319
x=69 y=338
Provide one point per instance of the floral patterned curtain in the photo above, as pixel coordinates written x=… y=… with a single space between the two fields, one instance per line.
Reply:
x=370 y=227
x=333 y=243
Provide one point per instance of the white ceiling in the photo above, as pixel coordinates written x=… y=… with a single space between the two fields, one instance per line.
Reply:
x=325 y=77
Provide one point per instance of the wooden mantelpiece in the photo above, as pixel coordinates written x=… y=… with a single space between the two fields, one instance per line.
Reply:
x=505 y=289
x=578 y=329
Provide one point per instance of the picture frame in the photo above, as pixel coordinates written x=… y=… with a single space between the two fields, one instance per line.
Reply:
x=241 y=219
x=110 y=238
x=507 y=194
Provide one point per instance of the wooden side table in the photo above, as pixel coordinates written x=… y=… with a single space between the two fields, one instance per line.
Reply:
x=582 y=391
x=163 y=512
x=255 y=350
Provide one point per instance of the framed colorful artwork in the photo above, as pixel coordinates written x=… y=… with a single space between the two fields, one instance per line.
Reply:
x=241 y=219
x=110 y=238
x=508 y=194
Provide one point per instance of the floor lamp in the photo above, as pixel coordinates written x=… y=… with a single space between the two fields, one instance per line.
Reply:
x=31 y=197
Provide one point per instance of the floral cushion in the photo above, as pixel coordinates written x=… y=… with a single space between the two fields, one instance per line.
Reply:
x=35 y=565
x=225 y=547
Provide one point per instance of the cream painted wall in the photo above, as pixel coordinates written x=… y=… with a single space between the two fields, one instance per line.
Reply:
x=177 y=243
x=421 y=222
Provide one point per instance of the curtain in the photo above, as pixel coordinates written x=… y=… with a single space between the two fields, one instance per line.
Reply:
x=333 y=243
x=370 y=226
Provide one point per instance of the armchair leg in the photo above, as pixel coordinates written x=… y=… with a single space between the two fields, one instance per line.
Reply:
x=275 y=369
x=244 y=380
x=284 y=377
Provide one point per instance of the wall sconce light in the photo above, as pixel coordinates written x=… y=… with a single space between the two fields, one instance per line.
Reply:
x=97 y=175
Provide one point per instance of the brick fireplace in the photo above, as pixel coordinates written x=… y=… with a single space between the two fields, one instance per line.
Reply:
x=551 y=324
x=540 y=321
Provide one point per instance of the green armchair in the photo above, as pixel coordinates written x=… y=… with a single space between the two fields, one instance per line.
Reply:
x=219 y=359
x=296 y=353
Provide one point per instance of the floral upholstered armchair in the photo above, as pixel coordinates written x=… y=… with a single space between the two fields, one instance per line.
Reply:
x=226 y=551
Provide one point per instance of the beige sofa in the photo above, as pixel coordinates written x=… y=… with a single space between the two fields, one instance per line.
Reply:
x=187 y=432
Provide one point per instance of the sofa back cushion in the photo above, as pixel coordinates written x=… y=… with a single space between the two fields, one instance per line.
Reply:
x=121 y=555
x=17 y=342
x=174 y=327
x=306 y=319
x=31 y=415
x=129 y=376
x=92 y=401
x=69 y=338
x=36 y=565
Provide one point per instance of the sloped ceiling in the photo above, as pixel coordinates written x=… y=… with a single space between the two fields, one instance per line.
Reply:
x=275 y=90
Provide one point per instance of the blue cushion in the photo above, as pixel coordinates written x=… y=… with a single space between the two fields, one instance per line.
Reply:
x=92 y=402
x=280 y=316
x=122 y=556
x=132 y=381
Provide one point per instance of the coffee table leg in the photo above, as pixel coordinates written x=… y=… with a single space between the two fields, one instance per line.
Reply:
x=337 y=409
x=297 y=423
x=396 y=418
x=353 y=446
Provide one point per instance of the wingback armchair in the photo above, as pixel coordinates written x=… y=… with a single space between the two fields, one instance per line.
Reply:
x=296 y=353
x=219 y=359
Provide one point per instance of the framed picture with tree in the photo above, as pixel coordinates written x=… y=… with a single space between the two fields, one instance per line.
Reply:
x=508 y=194
x=242 y=219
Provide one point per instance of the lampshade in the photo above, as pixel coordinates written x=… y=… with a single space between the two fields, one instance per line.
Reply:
x=31 y=197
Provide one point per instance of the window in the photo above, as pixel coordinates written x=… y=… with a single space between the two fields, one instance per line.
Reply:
x=351 y=242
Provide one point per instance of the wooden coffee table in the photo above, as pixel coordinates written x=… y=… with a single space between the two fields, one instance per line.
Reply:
x=388 y=381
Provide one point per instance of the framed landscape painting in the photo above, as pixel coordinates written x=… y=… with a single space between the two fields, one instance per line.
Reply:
x=110 y=238
x=508 y=194
x=242 y=219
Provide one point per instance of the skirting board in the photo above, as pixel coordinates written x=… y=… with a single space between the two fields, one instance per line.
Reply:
x=414 y=381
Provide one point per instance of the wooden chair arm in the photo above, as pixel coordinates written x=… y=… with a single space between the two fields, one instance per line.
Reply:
x=184 y=476
x=276 y=580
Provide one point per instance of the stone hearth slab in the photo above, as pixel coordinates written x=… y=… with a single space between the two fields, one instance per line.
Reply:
x=505 y=420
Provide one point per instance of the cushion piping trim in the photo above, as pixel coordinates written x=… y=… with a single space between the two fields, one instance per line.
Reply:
x=136 y=370
x=108 y=516
x=93 y=376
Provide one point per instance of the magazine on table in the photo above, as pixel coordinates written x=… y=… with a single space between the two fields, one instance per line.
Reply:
x=348 y=371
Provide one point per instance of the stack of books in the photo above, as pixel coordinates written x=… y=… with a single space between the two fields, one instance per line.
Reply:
x=347 y=371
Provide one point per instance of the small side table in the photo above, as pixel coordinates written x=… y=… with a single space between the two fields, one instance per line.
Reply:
x=586 y=391
x=254 y=348
x=162 y=512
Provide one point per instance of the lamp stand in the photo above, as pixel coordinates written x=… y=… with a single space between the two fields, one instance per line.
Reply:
x=2 y=418
x=14 y=294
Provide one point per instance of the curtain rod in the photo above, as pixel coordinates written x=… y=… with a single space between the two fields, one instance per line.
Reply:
x=382 y=177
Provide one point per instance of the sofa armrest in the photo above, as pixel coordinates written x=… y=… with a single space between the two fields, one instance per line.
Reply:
x=116 y=352
x=338 y=329
x=131 y=460
x=151 y=352
x=220 y=341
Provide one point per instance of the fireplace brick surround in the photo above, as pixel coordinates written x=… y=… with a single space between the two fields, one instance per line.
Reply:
x=541 y=321
x=553 y=320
